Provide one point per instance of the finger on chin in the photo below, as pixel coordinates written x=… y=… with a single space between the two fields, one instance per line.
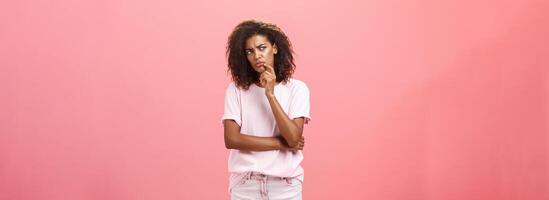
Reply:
x=270 y=68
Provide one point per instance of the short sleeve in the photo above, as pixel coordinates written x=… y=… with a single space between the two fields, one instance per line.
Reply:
x=232 y=106
x=300 y=104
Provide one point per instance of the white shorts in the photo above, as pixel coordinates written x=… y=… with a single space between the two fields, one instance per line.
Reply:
x=260 y=186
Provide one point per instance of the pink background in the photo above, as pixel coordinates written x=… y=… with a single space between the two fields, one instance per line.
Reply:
x=422 y=99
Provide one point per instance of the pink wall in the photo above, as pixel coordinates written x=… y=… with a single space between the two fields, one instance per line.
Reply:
x=120 y=99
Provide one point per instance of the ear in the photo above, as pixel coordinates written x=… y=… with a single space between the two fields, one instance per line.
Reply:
x=275 y=49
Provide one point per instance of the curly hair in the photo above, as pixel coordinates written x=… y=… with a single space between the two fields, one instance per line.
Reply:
x=242 y=73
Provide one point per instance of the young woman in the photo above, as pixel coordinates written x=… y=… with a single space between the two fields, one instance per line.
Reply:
x=264 y=114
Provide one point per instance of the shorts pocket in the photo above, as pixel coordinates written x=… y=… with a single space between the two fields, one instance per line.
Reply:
x=292 y=181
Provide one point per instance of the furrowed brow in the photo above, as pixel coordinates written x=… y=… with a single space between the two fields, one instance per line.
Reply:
x=256 y=46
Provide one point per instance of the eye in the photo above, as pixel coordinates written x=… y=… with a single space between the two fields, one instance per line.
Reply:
x=247 y=52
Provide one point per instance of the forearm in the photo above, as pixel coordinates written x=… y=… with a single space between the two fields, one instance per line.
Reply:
x=288 y=129
x=255 y=143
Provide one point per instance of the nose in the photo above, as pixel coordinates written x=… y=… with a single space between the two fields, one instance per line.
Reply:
x=257 y=55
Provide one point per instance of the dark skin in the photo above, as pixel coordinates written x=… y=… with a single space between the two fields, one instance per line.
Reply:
x=260 y=54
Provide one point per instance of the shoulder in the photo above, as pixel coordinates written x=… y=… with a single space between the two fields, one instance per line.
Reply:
x=232 y=88
x=297 y=84
x=231 y=85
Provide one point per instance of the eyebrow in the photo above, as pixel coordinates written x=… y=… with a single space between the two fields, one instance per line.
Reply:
x=256 y=46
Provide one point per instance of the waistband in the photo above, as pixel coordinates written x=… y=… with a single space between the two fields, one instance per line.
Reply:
x=258 y=175
x=263 y=178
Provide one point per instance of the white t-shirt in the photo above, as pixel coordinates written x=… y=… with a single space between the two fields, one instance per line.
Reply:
x=252 y=111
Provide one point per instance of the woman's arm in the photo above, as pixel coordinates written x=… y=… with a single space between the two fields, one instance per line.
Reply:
x=291 y=130
x=236 y=140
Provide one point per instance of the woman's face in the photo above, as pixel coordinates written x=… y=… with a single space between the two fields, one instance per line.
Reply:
x=259 y=50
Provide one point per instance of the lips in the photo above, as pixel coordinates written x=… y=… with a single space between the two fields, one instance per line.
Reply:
x=259 y=64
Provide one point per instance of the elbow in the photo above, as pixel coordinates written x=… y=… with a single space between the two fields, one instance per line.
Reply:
x=293 y=143
x=229 y=143
x=232 y=140
x=293 y=140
